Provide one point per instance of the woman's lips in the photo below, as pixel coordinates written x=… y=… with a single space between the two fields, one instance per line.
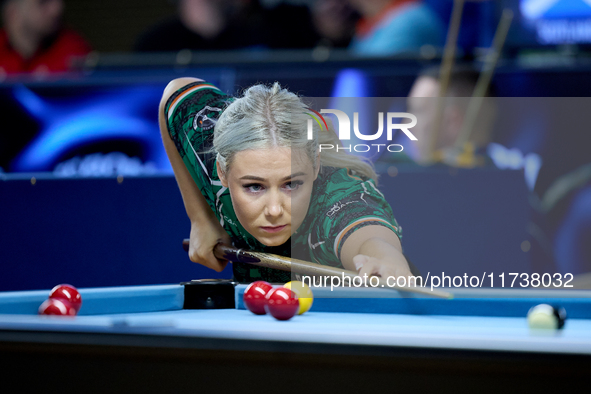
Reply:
x=273 y=229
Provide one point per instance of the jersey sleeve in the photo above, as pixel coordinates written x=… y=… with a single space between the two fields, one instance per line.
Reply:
x=348 y=204
x=191 y=114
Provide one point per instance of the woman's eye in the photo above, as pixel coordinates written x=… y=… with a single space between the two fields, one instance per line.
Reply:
x=293 y=185
x=253 y=188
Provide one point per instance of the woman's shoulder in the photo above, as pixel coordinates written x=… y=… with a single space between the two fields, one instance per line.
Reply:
x=194 y=104
x=340 y=178
x=192 y=91
x=342 y=202
x=336 y=187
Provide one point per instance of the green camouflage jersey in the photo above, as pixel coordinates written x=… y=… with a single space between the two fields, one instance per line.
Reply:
x=341 y=202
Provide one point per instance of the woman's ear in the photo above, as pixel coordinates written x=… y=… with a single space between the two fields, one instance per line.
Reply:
x=222 y=176
x=317 y=166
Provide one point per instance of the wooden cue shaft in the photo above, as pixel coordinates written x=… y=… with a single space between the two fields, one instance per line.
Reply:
x=447 y=63
x=449 y=51
x=303 y=267
x=485 y=77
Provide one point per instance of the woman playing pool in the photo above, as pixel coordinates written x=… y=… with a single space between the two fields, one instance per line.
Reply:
x=249 y=176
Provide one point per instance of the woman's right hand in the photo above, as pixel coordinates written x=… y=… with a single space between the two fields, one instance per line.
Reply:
x=204 y=237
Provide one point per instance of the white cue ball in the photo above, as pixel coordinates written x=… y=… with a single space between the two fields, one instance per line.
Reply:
x=546 y=317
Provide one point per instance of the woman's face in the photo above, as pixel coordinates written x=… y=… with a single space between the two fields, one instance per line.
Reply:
x=271 y=190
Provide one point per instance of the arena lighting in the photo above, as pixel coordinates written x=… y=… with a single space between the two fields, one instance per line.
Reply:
x=558 y=21
x=351 y=86
x=78 y=121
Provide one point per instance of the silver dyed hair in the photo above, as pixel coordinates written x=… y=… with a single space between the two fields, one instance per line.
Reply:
x=267 y=117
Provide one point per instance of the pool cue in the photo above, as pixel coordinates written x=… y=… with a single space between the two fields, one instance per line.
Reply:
x=447 y=63
x=484 y=79
x=303 y=267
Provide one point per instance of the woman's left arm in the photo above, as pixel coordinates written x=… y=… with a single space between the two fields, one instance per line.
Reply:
x=374 y=250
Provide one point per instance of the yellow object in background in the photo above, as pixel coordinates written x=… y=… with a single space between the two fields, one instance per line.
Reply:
x=304 y=293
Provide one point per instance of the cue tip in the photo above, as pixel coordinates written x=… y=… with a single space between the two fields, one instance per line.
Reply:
x=443 y=294
x=438 y=293
x=425 y=291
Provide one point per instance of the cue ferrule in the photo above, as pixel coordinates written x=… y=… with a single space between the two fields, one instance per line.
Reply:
x=240 y=255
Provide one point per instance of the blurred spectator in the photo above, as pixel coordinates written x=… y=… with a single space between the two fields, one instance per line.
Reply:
x=389 y=27
x=334 y=21
x=231 y=24
x=423 y=101
x=34 y=40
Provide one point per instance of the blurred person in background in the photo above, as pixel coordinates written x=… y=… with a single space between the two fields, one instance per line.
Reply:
x=334 y=21
x=423 y=101
x=389 y=27
x=231 y=24
x=33 y=38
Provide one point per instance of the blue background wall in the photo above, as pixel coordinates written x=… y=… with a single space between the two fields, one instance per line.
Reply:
x=93 y=232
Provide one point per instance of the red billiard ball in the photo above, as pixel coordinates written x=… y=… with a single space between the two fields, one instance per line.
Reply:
x=282 y=303
x=55 y=306
x=254 y=296
x=68 y=293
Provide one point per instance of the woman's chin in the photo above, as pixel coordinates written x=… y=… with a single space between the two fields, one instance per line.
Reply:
x=273 y=241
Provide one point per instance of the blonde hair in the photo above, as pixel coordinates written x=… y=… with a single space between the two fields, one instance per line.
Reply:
x=272 y=116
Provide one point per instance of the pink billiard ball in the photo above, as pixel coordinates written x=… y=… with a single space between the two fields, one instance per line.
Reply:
x=68 y=293
x=56 y=306
x=282 y=303
x=254 y=296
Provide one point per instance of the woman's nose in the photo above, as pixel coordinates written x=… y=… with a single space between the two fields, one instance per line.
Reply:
x=274 y=206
